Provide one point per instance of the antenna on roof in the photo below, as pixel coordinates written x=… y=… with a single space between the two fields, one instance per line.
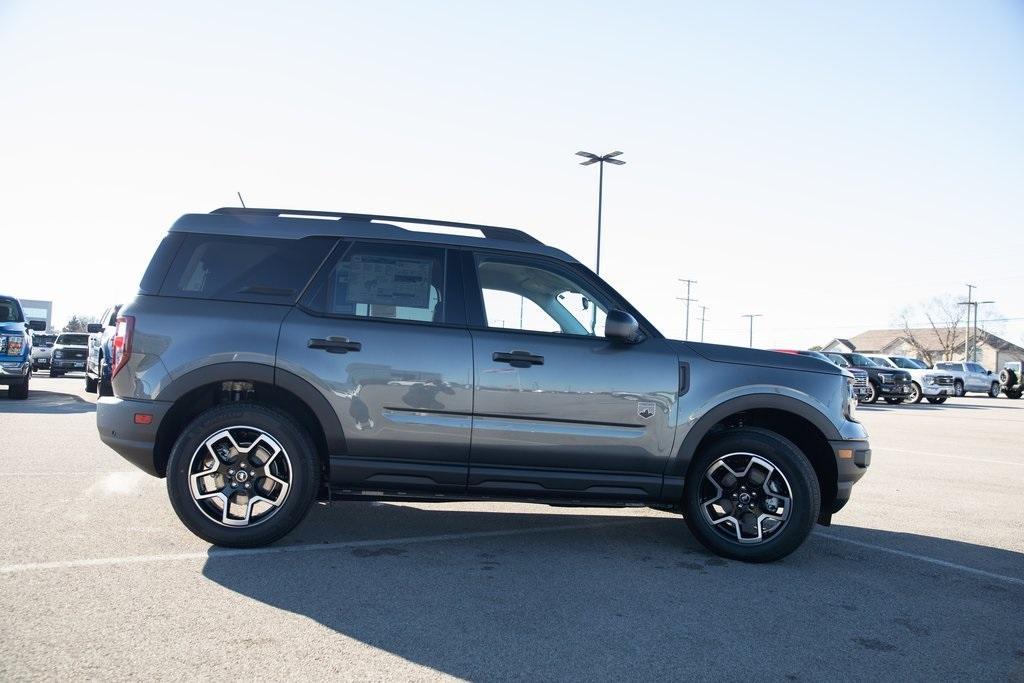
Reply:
x=240 y=199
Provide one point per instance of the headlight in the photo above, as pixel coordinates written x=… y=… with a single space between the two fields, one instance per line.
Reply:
x=886 y=377
x=58 y=354
x=930 y=379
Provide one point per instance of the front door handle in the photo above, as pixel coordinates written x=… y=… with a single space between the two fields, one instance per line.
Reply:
x=335 y=345
x=518 y=359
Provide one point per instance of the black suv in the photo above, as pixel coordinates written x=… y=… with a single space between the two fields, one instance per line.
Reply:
x=274 y=357
x=894 y=386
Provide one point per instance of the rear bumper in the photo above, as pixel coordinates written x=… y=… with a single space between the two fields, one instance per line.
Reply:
x=14 y=371
x=852 y=461
x=115 y=421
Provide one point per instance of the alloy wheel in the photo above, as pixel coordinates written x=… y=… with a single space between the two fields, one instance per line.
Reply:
x=745 y=498
x=239 y=476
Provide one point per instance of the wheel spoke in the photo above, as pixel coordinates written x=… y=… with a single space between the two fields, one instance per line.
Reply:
x=745 y=497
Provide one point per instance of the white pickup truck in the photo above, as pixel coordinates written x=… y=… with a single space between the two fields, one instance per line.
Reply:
x=934 y=385
x=970 y=378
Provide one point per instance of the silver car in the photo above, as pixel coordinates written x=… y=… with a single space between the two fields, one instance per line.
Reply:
x=272 y=358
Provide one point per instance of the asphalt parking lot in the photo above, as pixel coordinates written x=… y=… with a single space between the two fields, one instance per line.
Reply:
x=920 y=577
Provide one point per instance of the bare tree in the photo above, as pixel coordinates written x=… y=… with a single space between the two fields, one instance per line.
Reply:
x=941 y=339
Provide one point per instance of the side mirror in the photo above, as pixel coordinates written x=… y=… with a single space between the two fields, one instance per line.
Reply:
x=37 y=325
x=622 y=327
x=93 y=328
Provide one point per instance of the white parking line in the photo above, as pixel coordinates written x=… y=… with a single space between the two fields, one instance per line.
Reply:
x=924 y=558
x=217 y=553
x=945 y=455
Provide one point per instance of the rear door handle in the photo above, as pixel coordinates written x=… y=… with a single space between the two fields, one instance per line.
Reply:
x=517 y=359
x=335 y=345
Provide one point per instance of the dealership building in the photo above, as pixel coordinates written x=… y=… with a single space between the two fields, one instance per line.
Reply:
x=38 y=310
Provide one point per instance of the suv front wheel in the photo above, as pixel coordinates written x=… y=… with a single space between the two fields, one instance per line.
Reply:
x=751 y=495
x=242 y=475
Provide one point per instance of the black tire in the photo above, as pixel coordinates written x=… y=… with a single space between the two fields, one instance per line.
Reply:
x=56 y=373
x=937 y=399
x=793 y=465
x=104 y=386
x=90 y=384
x=304 y=473
x=19 y=391
x=915 y=393
x=872 y=396
x=993 y=391
x=1014 y=393
x=958 y=388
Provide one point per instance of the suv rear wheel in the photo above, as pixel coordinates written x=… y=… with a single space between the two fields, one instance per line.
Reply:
x=751 y=495
x=242 y=475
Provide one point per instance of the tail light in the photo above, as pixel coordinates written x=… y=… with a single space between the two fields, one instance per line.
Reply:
x=122 y=343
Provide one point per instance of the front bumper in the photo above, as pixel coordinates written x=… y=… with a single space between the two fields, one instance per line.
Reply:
x=936 y=390
x=68 y=364
x=852 y=461
x=41 y=362
x=894 y=390
x=115 y=421
x=14 y=371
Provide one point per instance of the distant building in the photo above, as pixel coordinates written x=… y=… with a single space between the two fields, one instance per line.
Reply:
x=940 y=344
x=38 y=310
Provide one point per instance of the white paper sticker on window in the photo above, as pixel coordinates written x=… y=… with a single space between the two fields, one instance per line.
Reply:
x=389 y=281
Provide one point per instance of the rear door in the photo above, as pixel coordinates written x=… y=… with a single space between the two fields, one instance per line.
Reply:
x=560 y=411
x=381 y=334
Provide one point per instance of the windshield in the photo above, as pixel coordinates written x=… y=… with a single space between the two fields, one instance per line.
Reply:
x=883 y=362
x=10 y=311
x=73 y=339
x=838 y=360
x=43 y=339
x=908 y=363
x=863 y=360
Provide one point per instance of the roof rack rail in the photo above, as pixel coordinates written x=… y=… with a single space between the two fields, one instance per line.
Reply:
x=489 y=231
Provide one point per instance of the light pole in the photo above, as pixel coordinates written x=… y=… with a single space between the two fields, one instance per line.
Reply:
x=752 y=316
x=595 y=159
x=967 y=331
x=687 y=299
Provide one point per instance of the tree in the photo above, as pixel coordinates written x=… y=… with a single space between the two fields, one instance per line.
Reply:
x=942 y=339
x=816 y=347
x=78 y=323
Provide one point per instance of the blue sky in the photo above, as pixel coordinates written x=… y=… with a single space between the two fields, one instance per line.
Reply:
x=823 y=164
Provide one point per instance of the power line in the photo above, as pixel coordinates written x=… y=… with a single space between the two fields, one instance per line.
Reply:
x=687 y=300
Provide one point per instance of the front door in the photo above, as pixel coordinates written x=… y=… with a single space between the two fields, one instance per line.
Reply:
x=373 y=336
x=560 y=411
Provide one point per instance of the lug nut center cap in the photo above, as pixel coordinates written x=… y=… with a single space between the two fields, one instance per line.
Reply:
x=241 y=476
x=744 y=498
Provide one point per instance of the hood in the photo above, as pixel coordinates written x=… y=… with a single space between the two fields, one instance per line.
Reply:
x=769 y=359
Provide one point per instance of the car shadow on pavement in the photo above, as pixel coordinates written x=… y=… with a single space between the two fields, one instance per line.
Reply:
x=621 y=596
x=925 y=406
x=46 y=402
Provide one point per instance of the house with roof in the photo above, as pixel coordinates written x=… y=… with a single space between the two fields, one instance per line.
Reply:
x=931 y=345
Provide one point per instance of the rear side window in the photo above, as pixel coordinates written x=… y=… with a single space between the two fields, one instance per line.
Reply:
x=390 y=281
x=248 y=269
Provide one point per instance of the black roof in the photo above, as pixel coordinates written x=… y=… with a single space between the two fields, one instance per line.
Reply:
x=299 y=223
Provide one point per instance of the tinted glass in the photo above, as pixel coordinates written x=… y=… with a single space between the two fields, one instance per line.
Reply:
x=976 y=368
x=838 y=360
x=390 y=281
x=538 y=297
x=10 y=311
x=73 y=339
x=882 y=362
x=862 y=360
x=254 y=269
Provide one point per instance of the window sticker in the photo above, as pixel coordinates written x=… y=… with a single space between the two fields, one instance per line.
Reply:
x=386 y=280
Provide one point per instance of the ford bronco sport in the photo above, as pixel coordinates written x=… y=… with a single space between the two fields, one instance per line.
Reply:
x=276 y=357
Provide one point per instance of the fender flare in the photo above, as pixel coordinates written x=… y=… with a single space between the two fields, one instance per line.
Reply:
x=742 y=403
x=265 y=374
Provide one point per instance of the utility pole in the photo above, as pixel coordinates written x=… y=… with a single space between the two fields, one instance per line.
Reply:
x=974 y=337
x=687 y=300
x=967 y=331
x=703 y=310
x=602 y=160
x=752 y=316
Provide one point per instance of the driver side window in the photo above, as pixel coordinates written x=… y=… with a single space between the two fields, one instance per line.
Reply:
x=538 y=297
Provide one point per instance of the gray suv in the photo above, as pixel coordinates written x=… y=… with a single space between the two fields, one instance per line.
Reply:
x=274 y=357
